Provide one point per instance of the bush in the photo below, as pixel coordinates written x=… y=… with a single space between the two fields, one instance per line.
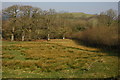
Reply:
x=100 y=36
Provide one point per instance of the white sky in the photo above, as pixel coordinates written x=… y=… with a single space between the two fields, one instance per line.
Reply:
x=90 y=9
x=59 y=0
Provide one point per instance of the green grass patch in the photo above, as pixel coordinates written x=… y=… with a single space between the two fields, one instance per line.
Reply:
x=54 y=60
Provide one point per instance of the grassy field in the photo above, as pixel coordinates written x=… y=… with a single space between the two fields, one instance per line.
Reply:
x=56 y=59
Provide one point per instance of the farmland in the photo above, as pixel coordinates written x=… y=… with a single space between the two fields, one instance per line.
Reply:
x=56 y=58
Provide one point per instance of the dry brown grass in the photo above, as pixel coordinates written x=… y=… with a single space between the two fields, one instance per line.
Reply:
x=71 y=43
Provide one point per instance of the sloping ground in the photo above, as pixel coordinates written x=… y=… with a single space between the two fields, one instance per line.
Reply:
x=56 y=59
x=72 y=44
x=77 y=15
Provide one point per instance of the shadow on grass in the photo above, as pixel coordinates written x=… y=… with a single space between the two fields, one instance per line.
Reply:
x=111 y=50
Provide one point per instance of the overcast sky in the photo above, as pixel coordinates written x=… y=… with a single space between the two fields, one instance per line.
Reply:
x=86 y=7
x=60 y=0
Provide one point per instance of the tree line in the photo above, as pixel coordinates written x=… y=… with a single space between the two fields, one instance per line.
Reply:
x=26 y=23
x=30 y=23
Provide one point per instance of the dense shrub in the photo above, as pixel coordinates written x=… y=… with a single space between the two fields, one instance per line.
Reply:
x=100 y=36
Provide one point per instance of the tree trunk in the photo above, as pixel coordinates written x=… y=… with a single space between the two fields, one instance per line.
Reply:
x=29 y=35
x=23 y=36
x=0 y=36
x=48 y=37
x=63 y=37
x=12 y=37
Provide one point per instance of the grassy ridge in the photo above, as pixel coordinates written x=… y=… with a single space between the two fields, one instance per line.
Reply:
x=78 y=14
x=56 y=59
